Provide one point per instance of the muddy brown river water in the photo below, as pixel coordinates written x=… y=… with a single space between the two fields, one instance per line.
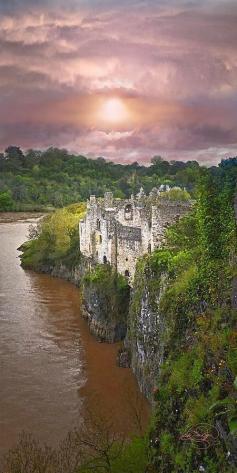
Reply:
x=51 y=368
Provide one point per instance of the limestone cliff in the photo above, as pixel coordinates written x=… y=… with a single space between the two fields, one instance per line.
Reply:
x=60 y=270
x=146 y=327
x=105 y=303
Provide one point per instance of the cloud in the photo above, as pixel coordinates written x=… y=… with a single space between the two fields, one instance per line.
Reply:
x=173 y=64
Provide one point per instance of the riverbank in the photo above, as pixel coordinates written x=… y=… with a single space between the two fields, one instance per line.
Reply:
x=11 y=217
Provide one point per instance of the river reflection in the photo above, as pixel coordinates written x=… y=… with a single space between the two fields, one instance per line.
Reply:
x=50 y=365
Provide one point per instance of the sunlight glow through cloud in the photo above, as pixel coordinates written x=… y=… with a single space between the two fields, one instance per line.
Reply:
x=120 y=80
x=113 y=111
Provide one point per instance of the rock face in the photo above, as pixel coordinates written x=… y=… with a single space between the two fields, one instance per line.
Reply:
x=102 y=315
x=145 y=329
x=124 y=358
x=74 y=275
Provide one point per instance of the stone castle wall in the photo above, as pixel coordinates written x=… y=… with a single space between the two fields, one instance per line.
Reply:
x=119 y=231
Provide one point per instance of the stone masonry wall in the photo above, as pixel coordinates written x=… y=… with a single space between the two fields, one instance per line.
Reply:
x=120 y=231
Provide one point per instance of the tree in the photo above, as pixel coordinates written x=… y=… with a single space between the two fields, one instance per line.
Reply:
x=160 y=166
x=6 y=202
x=14 y=153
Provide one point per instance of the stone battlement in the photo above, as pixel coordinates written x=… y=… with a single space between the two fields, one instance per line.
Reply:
x=118 y=231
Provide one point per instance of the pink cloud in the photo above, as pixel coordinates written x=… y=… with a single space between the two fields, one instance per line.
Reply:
x=174 y=65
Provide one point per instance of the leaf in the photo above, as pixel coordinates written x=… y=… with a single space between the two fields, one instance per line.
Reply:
x=223 y=402
x=233 y=425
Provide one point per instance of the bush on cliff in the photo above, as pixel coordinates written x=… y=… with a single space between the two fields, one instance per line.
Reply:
x=111 y=291
x=55 y=240
x=176 y=194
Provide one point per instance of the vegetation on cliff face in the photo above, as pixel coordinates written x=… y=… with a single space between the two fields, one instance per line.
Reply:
x=106 y=297
x=195 y=421
x=55 y=240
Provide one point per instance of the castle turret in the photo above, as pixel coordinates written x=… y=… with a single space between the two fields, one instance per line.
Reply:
x=141 y=194
x=108 y=200
x=92 y=199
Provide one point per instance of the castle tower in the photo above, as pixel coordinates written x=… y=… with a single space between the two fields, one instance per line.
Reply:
x=108 y=200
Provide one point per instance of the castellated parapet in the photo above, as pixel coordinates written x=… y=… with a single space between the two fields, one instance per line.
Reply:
x=118 y=231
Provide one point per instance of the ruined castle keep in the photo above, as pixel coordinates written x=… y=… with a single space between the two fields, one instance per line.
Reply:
x=119 y=231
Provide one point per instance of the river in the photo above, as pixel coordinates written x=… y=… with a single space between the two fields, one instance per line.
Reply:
x=51 y=367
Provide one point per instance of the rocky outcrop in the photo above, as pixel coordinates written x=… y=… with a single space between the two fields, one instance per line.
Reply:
x=124 y=358
x=101 y=310
x=145 y=330
x=73 y=275
x=60 y=270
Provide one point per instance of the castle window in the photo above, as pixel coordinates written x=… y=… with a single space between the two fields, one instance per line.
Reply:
x=127 y=274
x=149 y=248
x=126 y=259
x=98 y=224
x=128 y=212
x=104 y=259
x=100 y=239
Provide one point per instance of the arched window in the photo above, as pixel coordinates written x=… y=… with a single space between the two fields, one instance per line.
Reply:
x=98 y=224
x=104 y=259
x=128 y=212
x=127 y=274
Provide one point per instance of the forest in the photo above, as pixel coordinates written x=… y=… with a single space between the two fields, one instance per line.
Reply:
x=194 y=422
x=43 y=180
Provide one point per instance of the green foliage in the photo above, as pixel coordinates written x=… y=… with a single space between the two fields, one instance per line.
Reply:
x=55 y=178
x=186 y=372
x=6 y=202
x=176 y=195
x=128 y=457
x=196 y=385
x=184 y=234
x=56 y=239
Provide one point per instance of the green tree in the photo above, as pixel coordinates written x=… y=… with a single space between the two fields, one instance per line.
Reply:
x=6 y=202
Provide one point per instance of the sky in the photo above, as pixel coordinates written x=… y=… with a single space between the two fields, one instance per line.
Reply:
x=126 y=80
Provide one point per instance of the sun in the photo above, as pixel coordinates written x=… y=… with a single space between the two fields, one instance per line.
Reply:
x=114 y=111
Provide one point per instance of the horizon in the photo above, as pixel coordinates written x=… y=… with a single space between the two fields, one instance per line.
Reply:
x=123 y=82
x=147 y=163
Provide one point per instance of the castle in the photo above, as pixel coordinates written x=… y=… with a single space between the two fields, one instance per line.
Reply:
x=118 y=232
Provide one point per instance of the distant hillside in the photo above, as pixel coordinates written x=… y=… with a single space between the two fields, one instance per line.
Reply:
x=54 y=178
